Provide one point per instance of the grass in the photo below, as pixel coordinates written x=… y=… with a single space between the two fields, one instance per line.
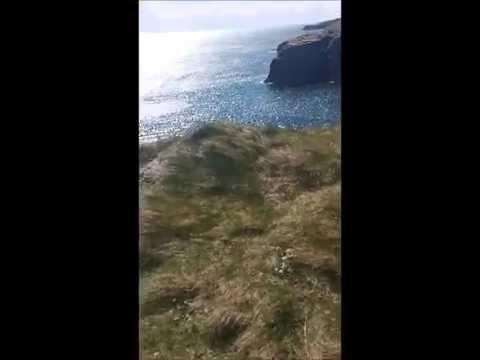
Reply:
x=148 y=151
x=240 y=245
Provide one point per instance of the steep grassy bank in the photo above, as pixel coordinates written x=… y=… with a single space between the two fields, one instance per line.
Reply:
x=240 y=245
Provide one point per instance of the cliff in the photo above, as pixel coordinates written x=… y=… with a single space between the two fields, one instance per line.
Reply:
x=323 y=24
x=309 y=58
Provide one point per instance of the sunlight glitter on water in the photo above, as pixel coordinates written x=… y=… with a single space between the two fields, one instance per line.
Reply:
x=162 y=55
x=187 y=78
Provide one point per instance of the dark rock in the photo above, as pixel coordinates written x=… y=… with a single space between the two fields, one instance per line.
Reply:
x=308 y=59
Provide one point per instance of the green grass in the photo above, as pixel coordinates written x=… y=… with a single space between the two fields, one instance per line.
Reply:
x=216 y=224
x=286 y=315
x=149 y=151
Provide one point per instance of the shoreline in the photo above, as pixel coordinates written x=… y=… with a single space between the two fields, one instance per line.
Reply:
x=149 y=139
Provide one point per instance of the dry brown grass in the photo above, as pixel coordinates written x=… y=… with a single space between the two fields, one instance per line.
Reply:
x=241 y=247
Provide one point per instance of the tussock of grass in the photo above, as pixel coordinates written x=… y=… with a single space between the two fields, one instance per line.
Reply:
x=239 y=247
x=165 y=299
x=148 y=151
x=224 y=328
x=285 y=315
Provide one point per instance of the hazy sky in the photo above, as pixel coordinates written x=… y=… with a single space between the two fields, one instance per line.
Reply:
x=206 y=15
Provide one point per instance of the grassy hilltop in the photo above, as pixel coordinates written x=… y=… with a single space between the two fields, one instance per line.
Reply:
x=240 y=245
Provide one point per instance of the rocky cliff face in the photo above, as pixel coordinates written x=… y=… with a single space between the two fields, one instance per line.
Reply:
x=309 y=58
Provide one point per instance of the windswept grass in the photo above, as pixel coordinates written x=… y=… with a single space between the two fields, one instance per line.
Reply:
x=240 y=245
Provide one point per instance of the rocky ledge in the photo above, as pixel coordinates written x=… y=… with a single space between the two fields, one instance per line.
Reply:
x=309 y=58
x=324 y=24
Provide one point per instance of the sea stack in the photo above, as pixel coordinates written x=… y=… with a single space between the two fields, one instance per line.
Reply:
x=309 y=58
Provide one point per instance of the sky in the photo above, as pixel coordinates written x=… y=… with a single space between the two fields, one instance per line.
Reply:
x=166 y=16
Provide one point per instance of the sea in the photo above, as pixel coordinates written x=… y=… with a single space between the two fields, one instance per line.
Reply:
x=191 y=78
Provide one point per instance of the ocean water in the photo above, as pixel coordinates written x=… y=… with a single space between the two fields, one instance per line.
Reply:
x=189 y=78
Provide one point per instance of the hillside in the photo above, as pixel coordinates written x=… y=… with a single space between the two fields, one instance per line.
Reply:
x=240 y=245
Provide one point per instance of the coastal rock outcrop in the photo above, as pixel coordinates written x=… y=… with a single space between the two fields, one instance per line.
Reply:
x=309 y=58
x=324 y=24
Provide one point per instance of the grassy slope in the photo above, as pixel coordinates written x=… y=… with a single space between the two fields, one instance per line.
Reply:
x=240 y=245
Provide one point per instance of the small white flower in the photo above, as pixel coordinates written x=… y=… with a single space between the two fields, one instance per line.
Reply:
x=156 y=354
